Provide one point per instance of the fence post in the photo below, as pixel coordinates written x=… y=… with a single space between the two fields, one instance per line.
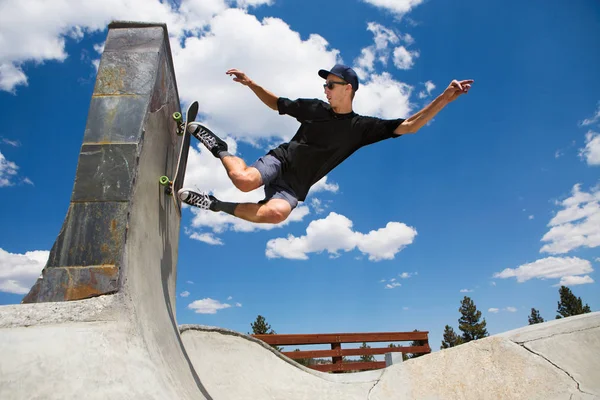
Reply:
x=337 y=360
x=392 y=358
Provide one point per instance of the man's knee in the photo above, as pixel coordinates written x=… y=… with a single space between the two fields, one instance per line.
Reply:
x=276 y=211
x=246 y=180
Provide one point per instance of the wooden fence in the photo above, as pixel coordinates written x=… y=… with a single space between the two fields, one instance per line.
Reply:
x=337 y=353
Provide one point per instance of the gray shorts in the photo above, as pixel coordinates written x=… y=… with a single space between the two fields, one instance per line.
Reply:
x=275 y=187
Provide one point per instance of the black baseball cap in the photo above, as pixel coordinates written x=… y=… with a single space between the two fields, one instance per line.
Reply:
x=342 y=71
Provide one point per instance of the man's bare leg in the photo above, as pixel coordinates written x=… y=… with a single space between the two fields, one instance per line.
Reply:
x=273 y=211
x=243 y=177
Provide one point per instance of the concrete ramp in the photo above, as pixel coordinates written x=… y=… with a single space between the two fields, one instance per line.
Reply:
x=554 y=360
x=101 y=319
x=100 y=323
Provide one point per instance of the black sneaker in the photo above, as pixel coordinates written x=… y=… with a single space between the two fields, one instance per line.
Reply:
x=201 y=200
x=212 y=142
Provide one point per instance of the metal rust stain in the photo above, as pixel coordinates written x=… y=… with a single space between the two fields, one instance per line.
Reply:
x=116 y=234
x=110 y=80
x=78 y=290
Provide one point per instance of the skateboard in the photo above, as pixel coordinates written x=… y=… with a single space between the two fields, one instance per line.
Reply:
x=173 y=186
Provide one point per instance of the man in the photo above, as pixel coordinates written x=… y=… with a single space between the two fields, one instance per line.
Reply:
x=328 y=134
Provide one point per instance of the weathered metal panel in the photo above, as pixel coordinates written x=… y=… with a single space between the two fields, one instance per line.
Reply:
x=115 y=119
x=126 y=74
x=105 y=172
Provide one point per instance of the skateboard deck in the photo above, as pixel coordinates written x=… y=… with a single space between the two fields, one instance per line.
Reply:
x=173 y=186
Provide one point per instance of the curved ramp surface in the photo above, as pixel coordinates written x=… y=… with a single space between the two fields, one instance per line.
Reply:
x=120 y=242
x=554 y=360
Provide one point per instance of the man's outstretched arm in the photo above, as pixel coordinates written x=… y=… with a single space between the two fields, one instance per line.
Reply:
x=418 y=120
x=263 y=94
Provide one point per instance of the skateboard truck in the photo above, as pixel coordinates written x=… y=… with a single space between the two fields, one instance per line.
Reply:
x=180 y=123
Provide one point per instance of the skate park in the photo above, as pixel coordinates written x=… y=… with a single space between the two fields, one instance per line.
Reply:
x=100 y=322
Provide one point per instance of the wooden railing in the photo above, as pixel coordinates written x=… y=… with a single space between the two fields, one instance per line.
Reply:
x=337 y=353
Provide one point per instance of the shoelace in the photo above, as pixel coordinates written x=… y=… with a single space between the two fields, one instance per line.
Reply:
x=201 y=201
x=208 y=139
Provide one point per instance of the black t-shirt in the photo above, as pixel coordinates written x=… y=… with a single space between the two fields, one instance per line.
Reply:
x=324 y=140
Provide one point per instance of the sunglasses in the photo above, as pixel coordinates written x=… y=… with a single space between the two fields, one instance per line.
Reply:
x=330 y=85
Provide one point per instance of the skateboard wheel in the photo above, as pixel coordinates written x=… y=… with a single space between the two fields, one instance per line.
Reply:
x=177 y=116
x=164 y=180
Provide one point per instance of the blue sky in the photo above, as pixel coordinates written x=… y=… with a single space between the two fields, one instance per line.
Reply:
x=498 y=198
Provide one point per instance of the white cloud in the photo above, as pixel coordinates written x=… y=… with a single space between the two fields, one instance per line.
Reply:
x=18 y=272
x=379 y=52
x=8 y=171
x=398 y=7
x=382 y=96
x=574 y=280
x=531 y=217
x=13 y=143
x=238 y=304
x=365 y=62
x=334 y=234
x=403 y=58
x=393 y=285
x=429 y=87
x=269 y=52
x=29 y=35
x=230 y=298
x=206 y=238
x=548 y=268
x=466 y=290
x=406 y=275
x=558 y=154
x=190 y=282
x=184 y=294
x=207 y=306
x=497 y=310
x=253 y=3
x=317 y=205
x=576 y=225
x=405 y=308
x=591 y=152
x=11 y=76
x=323 y=186
x=595 y=118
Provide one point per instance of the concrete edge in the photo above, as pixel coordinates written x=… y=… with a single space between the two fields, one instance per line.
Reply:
x=358 y=377
x=136 y=24
x=101 y=308
x=553 y=328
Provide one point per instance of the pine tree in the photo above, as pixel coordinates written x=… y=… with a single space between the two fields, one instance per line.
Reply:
x=535 y=317
x=366 y=357
x=261 y=327
x=451 y=339
x=569 y=304
x=469 y=323
x=416 y=343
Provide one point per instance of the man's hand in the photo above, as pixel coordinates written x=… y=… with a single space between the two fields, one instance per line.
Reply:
x=264 y=95
x=240 y=77
x=456 y=88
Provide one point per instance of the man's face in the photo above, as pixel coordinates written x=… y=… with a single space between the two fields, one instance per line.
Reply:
x=335 y=89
